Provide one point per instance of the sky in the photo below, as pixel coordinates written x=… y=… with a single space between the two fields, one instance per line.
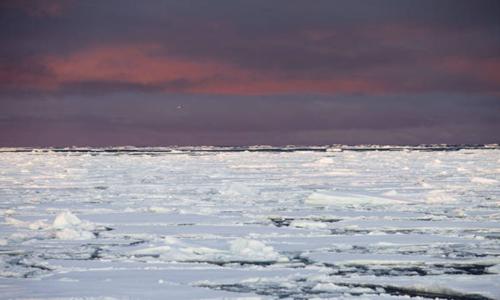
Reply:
x=235 y=72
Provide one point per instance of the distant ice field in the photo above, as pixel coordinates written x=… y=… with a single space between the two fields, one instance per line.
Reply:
x=250 y=225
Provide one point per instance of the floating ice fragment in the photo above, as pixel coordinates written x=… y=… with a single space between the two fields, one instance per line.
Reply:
x=494 y=269
x=341 y=172
x=342 y=199
x=153 y=251
x=159 y=209
x=239 y=250
x=74 y=234
x=66 y=219
x=390 y=193
x=176 y=250
x=36 y=225
x=458 y=213
x=70 y=227
x=437 y=289
x=254 y=250
x=66 y=225
x=308 y=224
x=15 y=222
x=425 y=185
x=439 y=196
x=9 y=212
x=67 y=279
x=324 y=161
x=482 y=180
x=237 y=189
x=330 y=287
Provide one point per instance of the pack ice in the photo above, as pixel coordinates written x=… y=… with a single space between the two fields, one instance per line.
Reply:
x=250 y=224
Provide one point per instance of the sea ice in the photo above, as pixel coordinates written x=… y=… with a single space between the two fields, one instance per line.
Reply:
x=343 y=199
x=254 y=250
x=226 y=225
x=482 y=180
x=67 y=226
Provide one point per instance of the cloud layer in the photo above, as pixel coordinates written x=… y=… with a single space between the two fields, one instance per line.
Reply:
x=250 y=72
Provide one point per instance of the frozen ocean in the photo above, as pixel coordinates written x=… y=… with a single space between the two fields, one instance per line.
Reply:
x=266 y=224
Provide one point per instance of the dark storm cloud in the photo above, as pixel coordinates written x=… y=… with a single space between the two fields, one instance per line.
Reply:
x=290 y=71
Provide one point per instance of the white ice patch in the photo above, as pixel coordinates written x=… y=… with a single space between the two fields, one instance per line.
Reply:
x=341 y=172
x=254 y=250
x=439 y=196
x=74 y=234
x=346 y=199
x=482 y=180
x=308 y=224
x=435 y=288
x=390 y=193
x=324 y=161
x=494 y=269
x=67 y=226
x=9 y=212
x=237 y=190
x=159 y=209
x=239 y=250
x=65 y=220
x=321 y=162
x=330 y=287
x=35 y=225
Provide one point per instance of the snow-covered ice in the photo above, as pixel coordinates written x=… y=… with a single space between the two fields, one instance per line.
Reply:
x=250 y=225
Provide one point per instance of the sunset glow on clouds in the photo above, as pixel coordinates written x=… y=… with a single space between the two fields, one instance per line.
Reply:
x=150 y=66
x=174 y=50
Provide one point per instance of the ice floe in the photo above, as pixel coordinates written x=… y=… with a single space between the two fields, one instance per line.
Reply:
x=267 y=225
x=334 y=198
x=239 y=250
x=482 y=180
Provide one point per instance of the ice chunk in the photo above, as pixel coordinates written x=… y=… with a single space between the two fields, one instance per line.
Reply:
x=482 y=180
x=321 y=162
x=341 y=172
x=343 y=199
x=66 y=225
x=153 y=251
x=36 y=225
x=74 y=234
x=390 y=193
x=9 y=212
x=15 y=222
x=237 y=189
x=439 y=196
x=176 y=250
x=239 y=250
x=435 y=288
x=330 y=287
x=159 y=209
x=66 y=219
x=494 y=269
x=70 y=227
x=324 y=161
x=308 y=224
x=254 y=250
